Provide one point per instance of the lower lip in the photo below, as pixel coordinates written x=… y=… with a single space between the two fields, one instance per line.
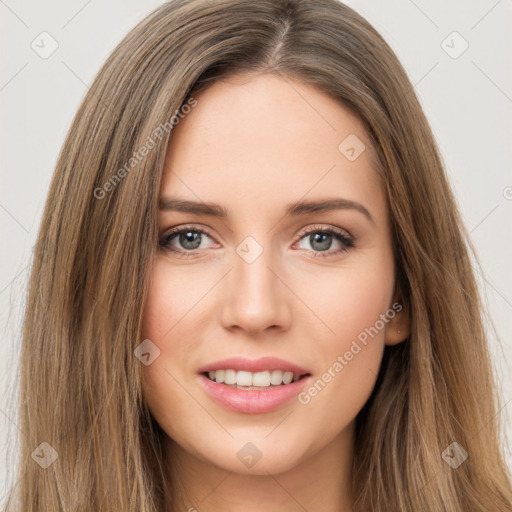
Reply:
x=252 y=401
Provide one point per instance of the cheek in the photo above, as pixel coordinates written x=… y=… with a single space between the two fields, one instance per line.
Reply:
x=167 y=302
x=347 y=302
x=351 y=304
x=173 y=293
x=364 y=298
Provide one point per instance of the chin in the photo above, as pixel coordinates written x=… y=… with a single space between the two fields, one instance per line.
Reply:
x=258 y=457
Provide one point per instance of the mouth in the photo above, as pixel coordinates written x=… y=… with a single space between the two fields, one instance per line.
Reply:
x=253 y=386
x=253 y=393
x=262 y=380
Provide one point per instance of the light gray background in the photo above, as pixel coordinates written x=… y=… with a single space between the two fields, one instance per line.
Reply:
x=468 y=101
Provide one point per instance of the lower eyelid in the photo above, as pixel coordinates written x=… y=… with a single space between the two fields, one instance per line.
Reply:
x=165 y=240
x=346 y=240
x=346 y=244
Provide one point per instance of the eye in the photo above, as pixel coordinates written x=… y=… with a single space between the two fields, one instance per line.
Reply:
x=321 y=239
x=181 y=242
x=184 y=242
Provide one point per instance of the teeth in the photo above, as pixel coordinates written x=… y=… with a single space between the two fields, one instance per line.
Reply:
x=230 y=377
x=263 y=379
x=276 y=377
x=260 y=379
x=244 y=378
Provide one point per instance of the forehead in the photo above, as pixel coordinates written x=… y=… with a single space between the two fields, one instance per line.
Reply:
x=267 y=140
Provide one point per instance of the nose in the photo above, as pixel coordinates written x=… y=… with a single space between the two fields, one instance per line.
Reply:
x=256 y=298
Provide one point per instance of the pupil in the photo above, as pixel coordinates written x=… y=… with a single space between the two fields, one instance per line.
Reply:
x=323 y=245
x=190 y=240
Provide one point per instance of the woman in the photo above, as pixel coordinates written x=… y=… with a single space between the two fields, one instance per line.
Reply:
x=251 y=287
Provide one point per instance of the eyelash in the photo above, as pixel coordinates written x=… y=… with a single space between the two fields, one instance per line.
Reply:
x=342 y=237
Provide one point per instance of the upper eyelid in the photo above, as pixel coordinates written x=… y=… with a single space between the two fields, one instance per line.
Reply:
x=178 y=229
x=318 y=227
x=303 y=232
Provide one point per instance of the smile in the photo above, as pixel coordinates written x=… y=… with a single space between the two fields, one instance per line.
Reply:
x=253 y=380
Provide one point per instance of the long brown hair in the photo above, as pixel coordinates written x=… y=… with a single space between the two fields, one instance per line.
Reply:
x=80 y=384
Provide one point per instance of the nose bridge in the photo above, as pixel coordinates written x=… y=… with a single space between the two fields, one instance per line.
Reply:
x=255 y=298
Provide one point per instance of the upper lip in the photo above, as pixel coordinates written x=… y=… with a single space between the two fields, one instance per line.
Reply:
x=253 y=365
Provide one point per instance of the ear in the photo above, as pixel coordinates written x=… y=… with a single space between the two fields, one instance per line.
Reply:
x=399 y=327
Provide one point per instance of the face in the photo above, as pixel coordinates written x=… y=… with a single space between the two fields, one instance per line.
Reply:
x=312 y=288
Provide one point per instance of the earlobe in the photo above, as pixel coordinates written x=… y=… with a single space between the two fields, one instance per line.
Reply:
x=395 y=336
x=398 y=328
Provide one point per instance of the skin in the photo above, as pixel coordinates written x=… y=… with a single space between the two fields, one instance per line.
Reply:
x=254 y=144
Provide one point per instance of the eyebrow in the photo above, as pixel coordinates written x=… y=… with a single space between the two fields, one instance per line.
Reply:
x=292 y=210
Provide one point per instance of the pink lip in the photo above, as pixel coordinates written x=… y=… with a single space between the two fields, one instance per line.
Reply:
x=254 y=365
x=253 y=401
